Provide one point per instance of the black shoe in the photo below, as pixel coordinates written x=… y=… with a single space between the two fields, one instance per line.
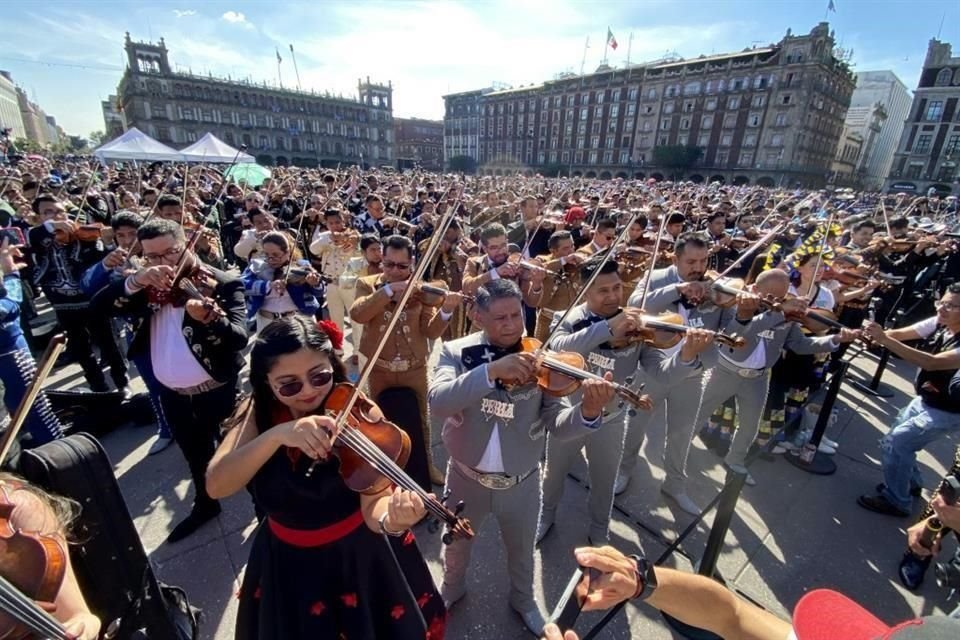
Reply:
x=916 y=492
x=709 y=437
x=879 y=504
x=912 y=569
x=197 y=518
x=723 y=446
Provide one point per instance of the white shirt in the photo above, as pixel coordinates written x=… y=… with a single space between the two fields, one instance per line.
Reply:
x=278 y=302
x=756 y=360
x=174 y=365
x=825 y=299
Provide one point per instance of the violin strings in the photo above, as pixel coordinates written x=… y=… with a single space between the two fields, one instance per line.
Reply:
x=26 y=612
x=357 y=441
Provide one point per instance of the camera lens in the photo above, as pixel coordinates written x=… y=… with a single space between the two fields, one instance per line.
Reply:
x=947 y=574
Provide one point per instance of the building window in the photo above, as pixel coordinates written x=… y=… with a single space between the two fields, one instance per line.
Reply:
x=665 y=124
x=581 y=141
x=722 y=157
x=733 y=103
x=934 y=110
x=703 y=140
x=671 y=91
x=614 y=110
x=578 y=157
x=757 y=102
x=625 y=142
x=943 y=78
x=624 y=157
x=753 y=120
x=947 y=172
x=682 y=140
x=913 y=171
x=668 y=107
x=746 y=158
x=595 y=141
x=609 y=142
x=647 y=110
x=953 y=145
x=711 y=104
x=631 y=109
x=776 y=140
x=780 y=120
x=786 y=99
x=688 y=106
x=663 y=141
x=584 y=113
x=685 y=123
x=726 y=140
x=923 y=144
x=706 y=122
x=632 y=93
x=593 y=157
x=750 y=140
x=652 y=94
x=565 y=157
x=691 y=89
x=729 y=121
x=647 y=125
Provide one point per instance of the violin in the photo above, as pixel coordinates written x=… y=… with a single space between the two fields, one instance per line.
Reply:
x=560 y=373
x=372 y=451
x=82 y=232
x=297 y=276
x=195 y=281
x=32 y=566
x=667 y=330
x=433 y=293
x=517 y=259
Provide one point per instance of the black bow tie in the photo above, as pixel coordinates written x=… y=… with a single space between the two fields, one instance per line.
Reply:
x=480 y=354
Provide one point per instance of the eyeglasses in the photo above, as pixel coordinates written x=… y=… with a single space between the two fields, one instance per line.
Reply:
x=316 y=379
x=399 y=266
x=946 y=306
x=172 y=252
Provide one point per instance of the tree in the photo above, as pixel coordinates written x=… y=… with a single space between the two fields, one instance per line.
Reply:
x=462 y=164
x=97 y=138
x=25 y=145
x=677 y=158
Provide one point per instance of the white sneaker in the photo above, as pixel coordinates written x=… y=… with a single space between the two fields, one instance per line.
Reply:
x=159 y=445
x=686 y=504
x=825 y=448
x=830 y=443
x=784 y=447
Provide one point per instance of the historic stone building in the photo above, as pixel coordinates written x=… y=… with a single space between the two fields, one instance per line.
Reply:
x=278 y=126
x=929 y=151
x=770 y=115
x=419 y=143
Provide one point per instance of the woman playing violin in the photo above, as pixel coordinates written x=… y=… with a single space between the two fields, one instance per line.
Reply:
x=279 y=283
x=318 y=568
x=30 y=509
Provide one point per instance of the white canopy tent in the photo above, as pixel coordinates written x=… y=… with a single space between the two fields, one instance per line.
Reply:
x=136 y=145
x=212 y=149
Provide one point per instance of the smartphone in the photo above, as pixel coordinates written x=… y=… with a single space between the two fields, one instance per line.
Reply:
x=950 y=489
x=13 y=235
x=571 y=602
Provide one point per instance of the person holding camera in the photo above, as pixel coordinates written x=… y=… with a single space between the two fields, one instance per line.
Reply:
x=821 y=614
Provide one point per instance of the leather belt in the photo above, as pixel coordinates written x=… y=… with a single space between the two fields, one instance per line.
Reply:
x=496 y=481
x=396 y=365
x=274 y=315
x=743 y=372
x=203 y=387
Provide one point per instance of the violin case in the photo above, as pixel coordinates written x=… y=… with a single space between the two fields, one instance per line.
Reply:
x=113 y=570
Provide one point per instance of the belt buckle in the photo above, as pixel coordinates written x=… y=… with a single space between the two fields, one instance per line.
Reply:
x=495 y=481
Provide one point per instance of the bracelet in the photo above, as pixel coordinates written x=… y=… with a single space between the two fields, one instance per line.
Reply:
x=383 y=527
x=388 y=290
x=646 y=578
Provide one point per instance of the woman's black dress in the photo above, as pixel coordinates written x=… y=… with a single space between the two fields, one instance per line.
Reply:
x=348 y=588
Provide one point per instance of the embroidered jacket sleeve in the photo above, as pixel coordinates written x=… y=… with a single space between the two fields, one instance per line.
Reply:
x=450 y=391
x=368 y=303
x=804 y=345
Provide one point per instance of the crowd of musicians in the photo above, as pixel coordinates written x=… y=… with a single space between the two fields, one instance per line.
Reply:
x=719 y=310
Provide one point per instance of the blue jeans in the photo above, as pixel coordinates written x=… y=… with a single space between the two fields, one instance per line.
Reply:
x=153 y=391
x=17 y=370
x=917 y=425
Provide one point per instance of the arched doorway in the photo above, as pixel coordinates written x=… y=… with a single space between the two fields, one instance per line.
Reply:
x=739 y=181
x=605 y=175
x=696 y=178
x=577 y=174
x=622 y=174
x=765 y=181
x=657 y=176
x=282 y=161
x=639 y=175
x=591 y=174
x=718 y=178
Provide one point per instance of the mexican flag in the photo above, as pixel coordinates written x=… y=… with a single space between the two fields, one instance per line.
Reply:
x=611 y=41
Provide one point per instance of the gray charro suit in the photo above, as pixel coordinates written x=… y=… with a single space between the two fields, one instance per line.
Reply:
x=732 y=377
x=682 y=397
x=461 y=395
x=586 y=333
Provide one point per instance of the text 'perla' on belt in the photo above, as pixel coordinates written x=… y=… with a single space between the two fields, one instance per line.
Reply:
x=498 y=481
x=743 y=372
x=203 y=387
x=397 y=365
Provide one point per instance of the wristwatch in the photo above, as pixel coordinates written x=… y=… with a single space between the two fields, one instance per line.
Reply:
x=646 y=578
x=383 y=529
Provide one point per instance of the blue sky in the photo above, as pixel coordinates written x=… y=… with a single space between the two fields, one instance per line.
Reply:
x=69 y=55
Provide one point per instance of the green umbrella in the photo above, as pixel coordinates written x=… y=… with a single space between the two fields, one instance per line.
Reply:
x=248 y=172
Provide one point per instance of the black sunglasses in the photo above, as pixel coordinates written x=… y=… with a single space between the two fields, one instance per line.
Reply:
x=317 y=379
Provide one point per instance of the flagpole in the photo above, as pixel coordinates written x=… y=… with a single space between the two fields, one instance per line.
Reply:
x=279 y=75
x=605 y=47
x=583 y=63
x=629 y=47
x=295 y=69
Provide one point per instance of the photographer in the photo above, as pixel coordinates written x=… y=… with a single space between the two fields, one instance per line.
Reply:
x=701 y=602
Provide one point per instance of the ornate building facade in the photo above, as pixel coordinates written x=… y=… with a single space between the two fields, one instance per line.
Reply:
x=419 y=143
x=770 y=116
x=928 y=155
x=278 y=126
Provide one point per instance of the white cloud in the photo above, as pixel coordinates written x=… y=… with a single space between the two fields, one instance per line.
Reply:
x=235 y=17
x=185 y=14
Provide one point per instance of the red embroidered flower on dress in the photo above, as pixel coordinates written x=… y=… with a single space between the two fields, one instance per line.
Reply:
x=397 y=612
x=437 y=628
x=318 y=608
x=424 y=599
x=409 y=539
x=349 y=599
x=256 y=594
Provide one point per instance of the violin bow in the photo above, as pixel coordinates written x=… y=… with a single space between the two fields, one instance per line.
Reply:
x=653 y=259
x=607 y=256
x=817 y=265
x=751 y=250
x=47 y=361
x=18 y=606
x=417 y=276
